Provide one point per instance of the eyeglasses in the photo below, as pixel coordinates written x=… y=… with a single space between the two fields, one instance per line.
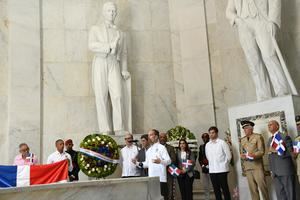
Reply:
x=127 y=138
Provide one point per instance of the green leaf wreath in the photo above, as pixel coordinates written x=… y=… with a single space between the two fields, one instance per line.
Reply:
x=180 y=132
x=100 y=144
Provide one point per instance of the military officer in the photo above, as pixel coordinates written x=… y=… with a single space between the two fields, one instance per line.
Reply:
x=252 y=151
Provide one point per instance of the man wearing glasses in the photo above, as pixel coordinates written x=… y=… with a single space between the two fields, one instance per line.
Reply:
x=128 y=156
x=25 y=157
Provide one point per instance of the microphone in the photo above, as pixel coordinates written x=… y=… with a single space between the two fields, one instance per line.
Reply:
x=131 y=141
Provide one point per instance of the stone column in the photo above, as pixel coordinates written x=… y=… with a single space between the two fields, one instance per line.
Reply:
x=193 y=84
x=24 y=76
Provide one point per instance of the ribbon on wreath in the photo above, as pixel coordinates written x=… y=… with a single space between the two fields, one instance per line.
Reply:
x=98 y=155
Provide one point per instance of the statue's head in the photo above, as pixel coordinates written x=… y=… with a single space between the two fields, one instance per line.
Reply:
x=109 y=11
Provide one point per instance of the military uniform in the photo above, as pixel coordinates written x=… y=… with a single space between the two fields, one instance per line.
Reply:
x=254 y=144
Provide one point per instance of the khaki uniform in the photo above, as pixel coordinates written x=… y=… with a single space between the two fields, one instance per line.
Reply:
x=254 y=168
x=297 y=139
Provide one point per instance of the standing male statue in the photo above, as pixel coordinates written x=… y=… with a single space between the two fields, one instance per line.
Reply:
x=109 y=71
x=257 y=22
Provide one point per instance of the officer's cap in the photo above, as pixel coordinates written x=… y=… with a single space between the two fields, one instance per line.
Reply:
x=247 y=123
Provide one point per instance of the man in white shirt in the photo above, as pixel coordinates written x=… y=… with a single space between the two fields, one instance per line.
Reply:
x=60 y=155
x=218 y=155
x=157 y=159
x=128 y=155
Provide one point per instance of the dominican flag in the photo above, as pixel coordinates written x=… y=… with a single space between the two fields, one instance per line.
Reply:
x=18 y=176
x=173 y=170
x=249 y=157
x=296 y=147
x=187 y=163
x=278 y=144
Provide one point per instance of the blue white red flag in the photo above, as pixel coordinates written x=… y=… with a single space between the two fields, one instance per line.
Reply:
x=18 y=176
x=296 y=147
x=187 y=163
x=173 y=170
x=278 y=144
x=249 y=157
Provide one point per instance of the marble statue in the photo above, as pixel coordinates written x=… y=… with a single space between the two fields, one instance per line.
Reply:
x=109 y=71
x=257 y=22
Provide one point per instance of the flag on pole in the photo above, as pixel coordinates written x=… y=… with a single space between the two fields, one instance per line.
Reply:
x=278 y=144
x=173 y=170
x=18 y=176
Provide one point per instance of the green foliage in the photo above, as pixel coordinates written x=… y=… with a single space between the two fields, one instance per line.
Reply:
x=179 y=132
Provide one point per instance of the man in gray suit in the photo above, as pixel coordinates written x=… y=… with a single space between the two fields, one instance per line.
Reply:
x=257 y=22
x=281 y=166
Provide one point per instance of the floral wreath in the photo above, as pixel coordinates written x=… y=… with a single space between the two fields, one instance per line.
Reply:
x=98 y=155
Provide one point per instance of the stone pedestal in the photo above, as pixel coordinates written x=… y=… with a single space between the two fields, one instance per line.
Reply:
x=110 y=189
x=283 y=109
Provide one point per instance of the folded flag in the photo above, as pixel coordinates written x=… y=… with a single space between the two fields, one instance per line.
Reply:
x=278 y=144
x=249 y=157
x=187 y=163
x=18 y=176
x=173 y=170
x=296 y=147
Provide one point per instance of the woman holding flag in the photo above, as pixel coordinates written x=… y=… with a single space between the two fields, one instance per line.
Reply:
x=186 y=164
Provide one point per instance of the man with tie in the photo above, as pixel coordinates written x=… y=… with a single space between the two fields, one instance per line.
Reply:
x=281 y=163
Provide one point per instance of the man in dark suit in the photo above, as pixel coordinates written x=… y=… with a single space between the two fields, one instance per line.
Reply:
x=281 y=164
x=171 y=151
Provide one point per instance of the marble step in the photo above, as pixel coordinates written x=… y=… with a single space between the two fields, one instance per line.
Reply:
x=198 y=194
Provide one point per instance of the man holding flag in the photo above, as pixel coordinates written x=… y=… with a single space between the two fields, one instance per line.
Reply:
x=252 y=152
x=281 y=163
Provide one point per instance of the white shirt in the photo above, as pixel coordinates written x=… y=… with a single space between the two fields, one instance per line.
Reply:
x=157 y=151
x=127 y=154
x=56 y=157
x=218 y=155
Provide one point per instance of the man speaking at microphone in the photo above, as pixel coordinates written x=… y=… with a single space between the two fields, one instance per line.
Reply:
x=128 y=156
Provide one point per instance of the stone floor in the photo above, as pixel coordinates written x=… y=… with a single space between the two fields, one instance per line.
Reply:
x=198 y=192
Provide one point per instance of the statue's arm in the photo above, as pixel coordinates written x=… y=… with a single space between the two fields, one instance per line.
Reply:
x=231 y=12
x=275 y=12
x=95 y=45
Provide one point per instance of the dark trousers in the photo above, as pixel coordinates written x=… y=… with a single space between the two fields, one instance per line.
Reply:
x=164 y=190
x=285 y=187
x=219 y=181
x=186 y=186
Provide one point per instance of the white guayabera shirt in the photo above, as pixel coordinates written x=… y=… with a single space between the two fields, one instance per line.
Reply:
x=218 y=155
x=157 y=151
x=128 y=167
x=56 y=157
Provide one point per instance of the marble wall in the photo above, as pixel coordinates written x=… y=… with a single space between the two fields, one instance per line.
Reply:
x=186 y=63
x=3 y=78
x=191 y=65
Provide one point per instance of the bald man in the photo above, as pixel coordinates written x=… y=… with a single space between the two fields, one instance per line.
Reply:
x=281 y=166
x=128 y=155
